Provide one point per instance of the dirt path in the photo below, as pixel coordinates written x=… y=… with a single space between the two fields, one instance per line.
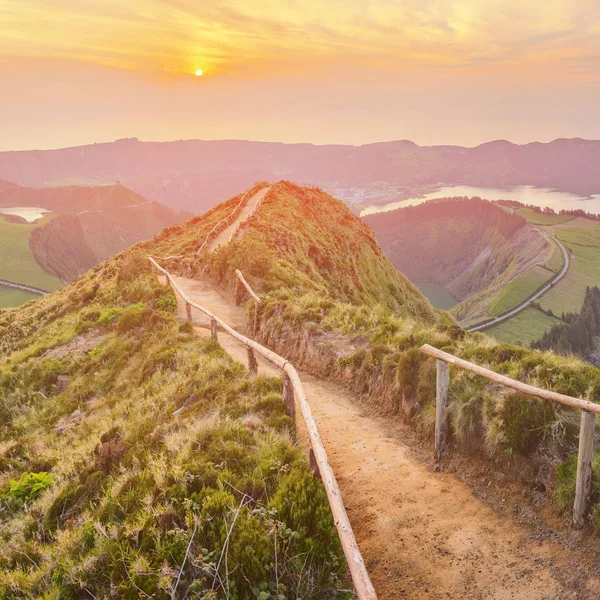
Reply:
x=422 y=534
x=225 y=235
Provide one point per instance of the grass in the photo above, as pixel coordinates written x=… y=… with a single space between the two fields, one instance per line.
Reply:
x=556 y=260
x=18 y=263
x=524 y=328
x=10 y=297
x=542 y=218
x=519 y=289
x=130 y=501
x=584 y=244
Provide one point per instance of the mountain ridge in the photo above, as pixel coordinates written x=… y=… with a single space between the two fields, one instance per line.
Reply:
x=194 y=174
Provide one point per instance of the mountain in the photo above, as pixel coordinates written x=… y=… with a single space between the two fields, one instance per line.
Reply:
x=472 y=247
x=195 y=174
x=139 y=459
x=306 y=244
x=85 y=226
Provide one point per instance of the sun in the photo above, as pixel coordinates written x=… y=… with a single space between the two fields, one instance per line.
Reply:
x=199 y=73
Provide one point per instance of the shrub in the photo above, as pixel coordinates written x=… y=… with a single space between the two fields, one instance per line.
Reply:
x=29 y=486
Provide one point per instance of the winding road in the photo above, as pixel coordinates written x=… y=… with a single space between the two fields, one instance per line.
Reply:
x=25 y=288
x=533 y=298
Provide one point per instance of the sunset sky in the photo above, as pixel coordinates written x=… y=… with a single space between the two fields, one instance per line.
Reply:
x=324 y=71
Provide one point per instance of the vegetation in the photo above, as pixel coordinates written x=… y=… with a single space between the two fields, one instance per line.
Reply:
x=22 y=266
x=305 y=243
x=577 y=334
x=518 y=290
x=10 y=297
x=524 y=328
x=373 y=347
x=104 y=493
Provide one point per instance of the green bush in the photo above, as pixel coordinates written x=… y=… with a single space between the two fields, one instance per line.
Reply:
x=29 y=486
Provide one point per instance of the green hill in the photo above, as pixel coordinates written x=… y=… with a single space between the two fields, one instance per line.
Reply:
x=105 y=493
x=85 y=226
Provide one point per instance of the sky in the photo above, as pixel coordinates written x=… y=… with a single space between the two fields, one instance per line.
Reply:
x=320 y=71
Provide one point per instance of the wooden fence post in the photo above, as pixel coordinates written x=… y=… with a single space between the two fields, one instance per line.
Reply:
x=441 y=427
x=583 y=484
x=213 y=330
x=314 y=467
x=255 y=324
x=288 y=398
x=252 y=362
x=236 y=291
x=188 y=311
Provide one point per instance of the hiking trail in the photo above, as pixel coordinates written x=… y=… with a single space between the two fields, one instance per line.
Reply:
x=422 y=534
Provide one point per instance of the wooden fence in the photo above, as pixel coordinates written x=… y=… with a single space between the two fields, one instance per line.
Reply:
x=293 y=392
x=583 y=487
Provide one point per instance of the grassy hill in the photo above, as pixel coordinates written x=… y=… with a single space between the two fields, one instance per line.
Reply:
x=86 y=225
x=313 y=314
x=104 y=493
x=304 y=245
x=486 y=257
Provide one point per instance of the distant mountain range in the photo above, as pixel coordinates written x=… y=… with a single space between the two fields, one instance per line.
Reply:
x=195 y=175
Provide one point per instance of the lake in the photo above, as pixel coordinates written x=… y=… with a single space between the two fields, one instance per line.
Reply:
x=437 y=294
x=29 y=213
x=527 y=194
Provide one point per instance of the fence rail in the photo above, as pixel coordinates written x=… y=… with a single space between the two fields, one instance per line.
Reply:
x=293 y=392
x=589 y=410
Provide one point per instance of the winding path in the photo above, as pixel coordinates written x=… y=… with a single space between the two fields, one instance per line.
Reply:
x=533 y=298
x=424 y=535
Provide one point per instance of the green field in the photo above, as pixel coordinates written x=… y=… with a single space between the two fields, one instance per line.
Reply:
x=524 y=328
x=17 y=262
x=518 y=290
x=556 y=261
x=584 y=243
x=10 y=297
x=541 y=218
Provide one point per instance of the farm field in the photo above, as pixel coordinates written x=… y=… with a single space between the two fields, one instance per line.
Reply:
x=542 y=218
x=17 y=262
x=584 y=244
x=519 y=289
x=524 y=328
x=10 y=297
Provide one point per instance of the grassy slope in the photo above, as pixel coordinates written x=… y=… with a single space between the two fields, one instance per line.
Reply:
x=376 y=352
x=518 y=290
x=584 y=243
x=133 y=490
x=524 y=328
x=18 y=263
x=305 y=243
x=542 y=218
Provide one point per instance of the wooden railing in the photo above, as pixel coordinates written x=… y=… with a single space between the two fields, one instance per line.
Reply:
x=224 y=221
x=293 y=392
x=243 y=221
x=589 y=410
